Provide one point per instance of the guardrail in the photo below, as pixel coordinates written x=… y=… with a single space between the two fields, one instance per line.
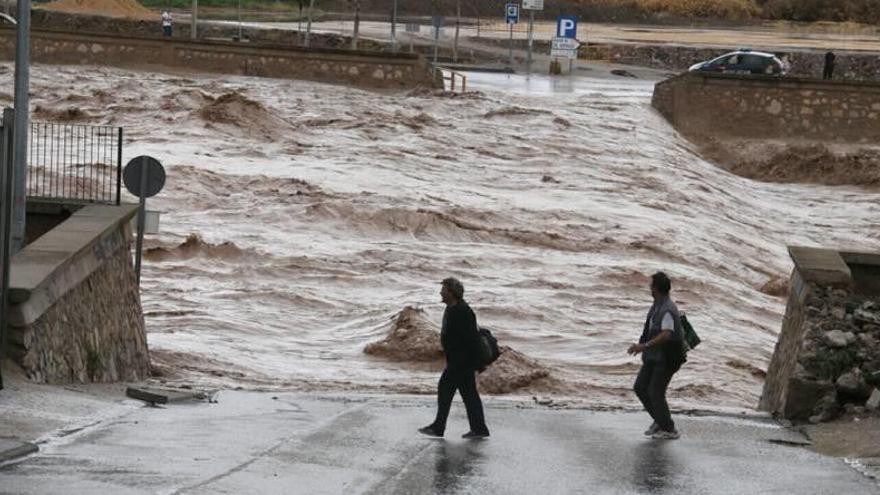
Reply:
x=82 y=163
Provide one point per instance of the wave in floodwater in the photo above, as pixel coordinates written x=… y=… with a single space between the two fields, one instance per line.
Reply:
x=305 y=229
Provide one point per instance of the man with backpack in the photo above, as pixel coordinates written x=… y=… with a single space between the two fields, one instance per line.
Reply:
x=460 y=339
x=663 y=353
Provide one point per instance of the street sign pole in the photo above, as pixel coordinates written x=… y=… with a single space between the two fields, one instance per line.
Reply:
x=531 y=29
x=510 y=45
x=142 y=218
x=144 y=182
x=511 y=16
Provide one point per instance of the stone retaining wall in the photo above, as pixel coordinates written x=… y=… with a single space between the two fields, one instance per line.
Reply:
x=827 y=358
x=76 y=314
x=373 y=70
x=767 y=107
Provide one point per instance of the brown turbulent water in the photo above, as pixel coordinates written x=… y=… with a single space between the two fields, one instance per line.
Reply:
x=299 y=219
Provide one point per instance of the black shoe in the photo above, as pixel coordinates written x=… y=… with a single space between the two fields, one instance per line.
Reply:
x=475 y=435
x=430 y=431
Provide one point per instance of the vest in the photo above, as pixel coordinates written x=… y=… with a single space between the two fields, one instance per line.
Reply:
x=671 y=349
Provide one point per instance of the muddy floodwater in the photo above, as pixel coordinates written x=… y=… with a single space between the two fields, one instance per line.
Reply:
x=300 y=218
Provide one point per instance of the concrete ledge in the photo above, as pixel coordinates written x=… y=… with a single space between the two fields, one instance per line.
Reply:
x=13 y=449
x=61 y=259
x=371 y=69
x=821 y=266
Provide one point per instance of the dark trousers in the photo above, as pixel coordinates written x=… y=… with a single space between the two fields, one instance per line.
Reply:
x=465 y=381
x=166 y=30
x=650 y=386
x=828 y=73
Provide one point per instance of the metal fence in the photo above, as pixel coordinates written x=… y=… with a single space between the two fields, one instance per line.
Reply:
x=75 y=162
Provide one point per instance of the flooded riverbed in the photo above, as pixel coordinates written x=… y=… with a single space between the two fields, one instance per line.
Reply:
x=299 y=218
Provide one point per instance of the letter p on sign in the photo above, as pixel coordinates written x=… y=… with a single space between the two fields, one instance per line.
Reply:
x=566 y=26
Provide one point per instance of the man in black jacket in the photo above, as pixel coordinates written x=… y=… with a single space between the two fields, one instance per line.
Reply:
x=460 y=339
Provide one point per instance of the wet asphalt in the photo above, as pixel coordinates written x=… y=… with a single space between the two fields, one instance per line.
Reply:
x=250 y=442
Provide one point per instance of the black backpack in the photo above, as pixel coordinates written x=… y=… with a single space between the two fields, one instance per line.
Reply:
x=488 y=347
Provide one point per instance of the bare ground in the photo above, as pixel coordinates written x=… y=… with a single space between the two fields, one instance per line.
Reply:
x=796 y=162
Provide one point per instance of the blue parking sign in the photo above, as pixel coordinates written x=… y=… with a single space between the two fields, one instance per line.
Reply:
x=512 y=13
x=566 y=26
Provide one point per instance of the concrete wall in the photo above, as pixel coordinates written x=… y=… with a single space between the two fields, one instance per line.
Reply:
x=366 y=69
x=827 y=358
x=75 y=311
x=769 y=107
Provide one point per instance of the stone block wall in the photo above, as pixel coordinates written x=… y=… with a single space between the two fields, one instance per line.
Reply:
x=766 y=107
x=75 y=313
x=827 y=358
x=94 y=333
x=358 y=68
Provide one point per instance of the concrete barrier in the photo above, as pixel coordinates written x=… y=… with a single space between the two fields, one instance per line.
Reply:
x=765 y=107
x=365 y=69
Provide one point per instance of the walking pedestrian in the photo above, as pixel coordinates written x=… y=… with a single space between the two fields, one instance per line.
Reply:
x=460 y=340
x=662 y=355
x=167 y=22
x=828 y=71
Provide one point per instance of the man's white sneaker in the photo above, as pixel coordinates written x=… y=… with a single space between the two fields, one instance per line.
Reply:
x=665 y=435
x=654 y=428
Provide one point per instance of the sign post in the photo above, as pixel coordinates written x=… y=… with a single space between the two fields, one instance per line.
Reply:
x=412 y=27
x=531 y=6
x=512 y=17
x=438 y=24
x=565 y=43
x=144 y=177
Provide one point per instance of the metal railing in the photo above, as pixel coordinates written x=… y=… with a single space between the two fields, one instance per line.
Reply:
x=452 y=77
x=75 y=162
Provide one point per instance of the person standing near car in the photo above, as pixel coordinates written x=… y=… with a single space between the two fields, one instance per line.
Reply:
x=828 y=71
x=662 y=355
x=460 y=340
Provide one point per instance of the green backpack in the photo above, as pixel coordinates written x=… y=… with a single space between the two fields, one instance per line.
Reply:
x=677 y=353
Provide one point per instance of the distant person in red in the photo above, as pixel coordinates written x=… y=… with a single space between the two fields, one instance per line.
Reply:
x=460 y=339
x=660 y=346
x=166 y=23
x=828 y=72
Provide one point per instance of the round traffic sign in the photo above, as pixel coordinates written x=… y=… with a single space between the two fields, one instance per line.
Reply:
x=144 y=176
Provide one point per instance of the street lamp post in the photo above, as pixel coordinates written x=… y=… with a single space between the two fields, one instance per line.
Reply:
x=239 y=21
x=309 y=22
x=457 y=24
x=193 y=33
x=20 y=131
x=394 y=26
x=357 y=24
